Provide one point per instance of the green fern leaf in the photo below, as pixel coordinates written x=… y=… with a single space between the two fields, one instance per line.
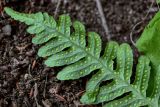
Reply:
x=61 y=47
x=150 y=39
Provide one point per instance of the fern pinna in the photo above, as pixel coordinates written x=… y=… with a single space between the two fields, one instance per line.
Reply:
x=62 y=46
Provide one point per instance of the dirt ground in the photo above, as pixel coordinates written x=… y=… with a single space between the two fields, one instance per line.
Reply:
x=24 y=79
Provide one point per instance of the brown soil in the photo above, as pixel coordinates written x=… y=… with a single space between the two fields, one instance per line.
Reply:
x=23 y=75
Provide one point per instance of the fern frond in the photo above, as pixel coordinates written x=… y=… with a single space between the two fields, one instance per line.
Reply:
x=81 y=57
x=118 y=87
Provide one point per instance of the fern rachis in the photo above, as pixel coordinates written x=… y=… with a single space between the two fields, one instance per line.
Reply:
x=63 y=47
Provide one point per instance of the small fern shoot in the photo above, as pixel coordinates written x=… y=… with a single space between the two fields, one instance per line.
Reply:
x=62 y=47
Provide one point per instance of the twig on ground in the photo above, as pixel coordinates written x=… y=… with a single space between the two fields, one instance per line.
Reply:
x=35 y=94
x=60 y=98
x=104 y=23
x=57 y=7
x=133 y=28
x=2 y=3
x=131 y=34
x=44 y=91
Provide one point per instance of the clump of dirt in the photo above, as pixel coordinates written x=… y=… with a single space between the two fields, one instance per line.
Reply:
x=25 y=81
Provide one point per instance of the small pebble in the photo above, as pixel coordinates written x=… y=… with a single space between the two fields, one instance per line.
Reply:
x=27 y=76
x=7 y=30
